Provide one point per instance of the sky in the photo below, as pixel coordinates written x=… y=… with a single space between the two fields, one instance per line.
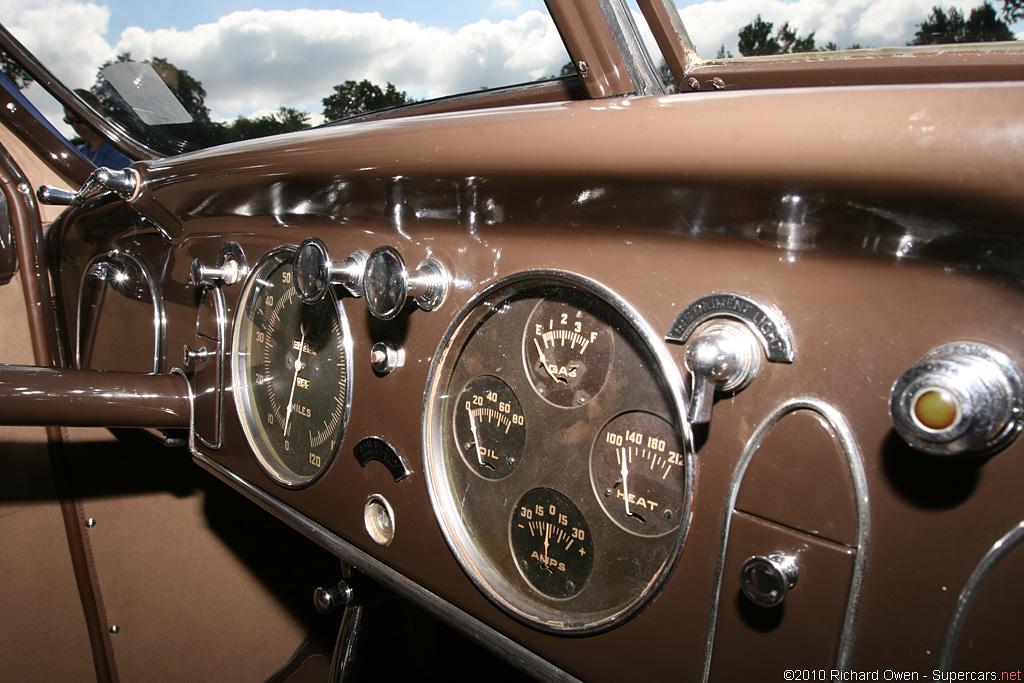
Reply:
x=252 y=61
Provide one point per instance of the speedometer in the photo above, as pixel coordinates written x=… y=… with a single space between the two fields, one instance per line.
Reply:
x=291 y=371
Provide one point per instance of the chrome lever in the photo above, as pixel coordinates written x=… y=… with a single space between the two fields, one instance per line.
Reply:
x=122 y=183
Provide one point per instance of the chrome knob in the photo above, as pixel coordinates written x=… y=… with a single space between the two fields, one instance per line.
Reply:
x=387 y=283
x=328 y=599
x=209 y=275
x=766 y=580
x=229 y=269
x=960 y=398
x=386 y=357
x=190 y=355
x=724 y=356
x=314 y=271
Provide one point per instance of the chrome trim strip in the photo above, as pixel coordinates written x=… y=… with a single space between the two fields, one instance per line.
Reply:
x=110 y=258
x=220 y=308
x=999 y=550
x=468 y=625
x=635 y=57
x=855 y=462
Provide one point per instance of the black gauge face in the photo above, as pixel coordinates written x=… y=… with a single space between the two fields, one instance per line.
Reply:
x=489 y=427
x=638 y=469
x=291 y=373
x=520 y=446
x=551 y=543
x=568 y=352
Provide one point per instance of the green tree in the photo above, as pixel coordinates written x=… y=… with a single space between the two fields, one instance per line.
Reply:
x=284 y=120
x=1013 y=10
x=756 y=39
x=983 y=25
x=18 y=76
x=352 y=98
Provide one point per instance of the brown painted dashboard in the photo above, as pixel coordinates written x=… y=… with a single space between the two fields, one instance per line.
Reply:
x=877 y=223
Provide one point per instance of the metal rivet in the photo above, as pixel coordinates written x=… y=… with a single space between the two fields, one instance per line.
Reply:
x=694 y=84
x=582 y=67
x=718 y=83
x=12 y=107
x=90 y=523
x=114 y=629
x=23 y=187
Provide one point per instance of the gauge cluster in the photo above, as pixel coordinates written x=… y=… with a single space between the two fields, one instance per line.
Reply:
x=557 y=462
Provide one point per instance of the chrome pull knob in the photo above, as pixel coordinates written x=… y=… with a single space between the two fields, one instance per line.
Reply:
x=208 y=275
x=960 y=398
x=314 y=271
x=190 y=355
x=328 y=599
x=724 y=356
x=387 y=283
x=767 y=580
x=230 y=268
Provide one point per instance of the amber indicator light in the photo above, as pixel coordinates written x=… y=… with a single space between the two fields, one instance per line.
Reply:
x=936 y=409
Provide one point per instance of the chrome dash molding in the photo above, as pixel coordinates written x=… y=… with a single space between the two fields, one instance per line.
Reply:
x=855 y=462
x=999 y=550
x=468 y=625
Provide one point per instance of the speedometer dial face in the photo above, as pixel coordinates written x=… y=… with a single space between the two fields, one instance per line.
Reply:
x=533 y=388
x=290 y=364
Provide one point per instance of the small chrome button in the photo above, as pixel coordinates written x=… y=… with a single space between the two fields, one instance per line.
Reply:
x=766 y=580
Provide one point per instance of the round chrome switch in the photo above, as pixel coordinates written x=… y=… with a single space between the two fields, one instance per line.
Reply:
x=960 y=398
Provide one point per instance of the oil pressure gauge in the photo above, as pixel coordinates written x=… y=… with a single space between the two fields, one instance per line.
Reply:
x=490 y=427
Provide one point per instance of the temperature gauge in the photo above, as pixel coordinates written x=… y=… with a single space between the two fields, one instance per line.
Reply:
x=551 y=543
x=637 y=467
x=489 y=427
x=568 y=352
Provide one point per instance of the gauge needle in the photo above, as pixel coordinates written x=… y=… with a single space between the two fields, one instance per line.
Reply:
x=624 y=471
x=476 y=439
x=547 y=535
x=295 y=378
x=544 y=362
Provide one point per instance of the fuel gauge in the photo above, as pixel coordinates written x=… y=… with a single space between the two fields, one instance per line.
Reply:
x=568 y=352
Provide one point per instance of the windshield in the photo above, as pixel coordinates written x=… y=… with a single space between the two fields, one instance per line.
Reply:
x=242 y=73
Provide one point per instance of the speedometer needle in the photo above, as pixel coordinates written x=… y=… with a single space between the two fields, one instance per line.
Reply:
x=295 y=378
x=544 y=362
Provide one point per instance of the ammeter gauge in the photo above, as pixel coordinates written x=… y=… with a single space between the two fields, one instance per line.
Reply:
x=291 y=371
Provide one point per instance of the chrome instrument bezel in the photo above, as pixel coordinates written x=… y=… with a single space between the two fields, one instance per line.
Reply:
x=511 y=592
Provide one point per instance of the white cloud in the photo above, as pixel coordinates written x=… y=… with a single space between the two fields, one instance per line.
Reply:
x=255 y=61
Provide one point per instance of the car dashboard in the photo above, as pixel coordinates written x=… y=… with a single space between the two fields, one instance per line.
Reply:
x=670 y=386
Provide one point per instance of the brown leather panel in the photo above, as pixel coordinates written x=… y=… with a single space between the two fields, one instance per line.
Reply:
x=42 y=613
x=800 y=478
x=750 y=638
x=35 y=170
x=200 y=584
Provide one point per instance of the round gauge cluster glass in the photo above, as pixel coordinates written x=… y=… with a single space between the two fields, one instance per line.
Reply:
x=291 y=370
x=557 y=461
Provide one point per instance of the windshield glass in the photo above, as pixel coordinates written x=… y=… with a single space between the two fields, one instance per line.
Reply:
x=747 y=28
x=243 y=73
